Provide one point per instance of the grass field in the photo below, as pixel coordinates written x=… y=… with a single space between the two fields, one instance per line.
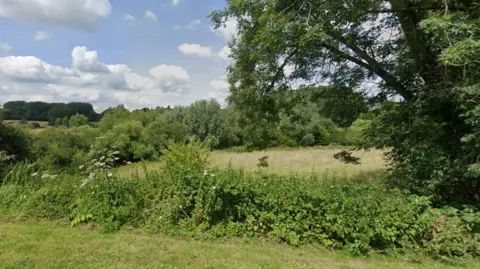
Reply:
x=42 y=123
x=46 y=245
x=284 y=162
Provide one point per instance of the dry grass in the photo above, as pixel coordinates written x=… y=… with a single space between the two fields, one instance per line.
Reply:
x=47 y=245
x=42 y=123
x=284 y=162
x=319 y=161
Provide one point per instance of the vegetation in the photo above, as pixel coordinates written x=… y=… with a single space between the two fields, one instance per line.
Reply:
x=41 y=111
x=423 y=53
x=49 y=245
x=423 y=112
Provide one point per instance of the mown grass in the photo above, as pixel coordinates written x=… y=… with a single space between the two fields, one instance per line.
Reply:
x=52 y=245
x=285 y=162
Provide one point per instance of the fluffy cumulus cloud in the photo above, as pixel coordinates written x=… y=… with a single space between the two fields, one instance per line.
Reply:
x=40 y=35
x=149 y=15
x=88 y=79
x=195 y=49
x=78 y=14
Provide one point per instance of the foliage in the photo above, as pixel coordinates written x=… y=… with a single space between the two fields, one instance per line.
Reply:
x=188 y=199
x=263 y=161
x=78 y=120
x=15 y=145
x=60 y=148
x=347 y=157
x=41 y=111
x=422 y=53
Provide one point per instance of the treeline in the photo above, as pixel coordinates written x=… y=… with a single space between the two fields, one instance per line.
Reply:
x=41 y=111
x=143 y=134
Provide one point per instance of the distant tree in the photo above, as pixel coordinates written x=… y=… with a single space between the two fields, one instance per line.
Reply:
x=65 y=121
x=58 y=122
x=342 y=105
x=78 y=120
x=205 y=120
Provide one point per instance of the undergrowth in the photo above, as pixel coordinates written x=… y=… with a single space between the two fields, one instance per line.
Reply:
x=187 y=199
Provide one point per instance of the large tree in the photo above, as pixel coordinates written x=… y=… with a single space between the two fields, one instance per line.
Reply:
x=422 y=53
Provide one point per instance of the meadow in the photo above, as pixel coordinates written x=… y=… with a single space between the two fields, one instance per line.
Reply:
x=285 y=161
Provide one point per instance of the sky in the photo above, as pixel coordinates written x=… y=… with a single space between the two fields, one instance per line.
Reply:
x=140 y=53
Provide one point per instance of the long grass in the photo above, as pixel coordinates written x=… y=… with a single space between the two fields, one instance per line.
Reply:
x=285 y=162
x=47 y=245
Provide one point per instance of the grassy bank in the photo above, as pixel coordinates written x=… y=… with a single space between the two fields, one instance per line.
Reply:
x=48 y=245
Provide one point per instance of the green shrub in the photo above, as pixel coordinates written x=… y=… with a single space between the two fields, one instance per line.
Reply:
x=186 y=198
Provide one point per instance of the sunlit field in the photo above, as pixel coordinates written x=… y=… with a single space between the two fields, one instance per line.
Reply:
x=284 y=162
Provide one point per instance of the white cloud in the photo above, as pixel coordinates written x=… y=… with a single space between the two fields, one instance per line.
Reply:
x=32 y=69
x=78 y=14
x=193 y=25
x=149 y=15
x=195 y=49
x=170 y=77
x=40 y=35
x=229 y=31
x=87 y=61
x=225 y=53
x=30 y=78
x=5 y=47
x=220 y=90
x=130 y=19
x=219 y=84
x=176 y=2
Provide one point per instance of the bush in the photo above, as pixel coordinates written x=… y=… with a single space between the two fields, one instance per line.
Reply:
x=188 y=199
x=15 y=145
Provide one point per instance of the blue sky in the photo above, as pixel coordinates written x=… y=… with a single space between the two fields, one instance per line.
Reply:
x=108 y=52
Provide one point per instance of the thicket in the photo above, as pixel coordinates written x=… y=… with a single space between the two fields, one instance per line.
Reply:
x=187 y=198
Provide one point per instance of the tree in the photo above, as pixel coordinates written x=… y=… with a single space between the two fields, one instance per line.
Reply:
x=342 y=105
x=419 y=52
x=78 y=120
x=14 y=143
x=205 y=120
x=65 y=121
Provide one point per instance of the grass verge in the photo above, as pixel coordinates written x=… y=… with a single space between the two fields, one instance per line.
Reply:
x=49 y=245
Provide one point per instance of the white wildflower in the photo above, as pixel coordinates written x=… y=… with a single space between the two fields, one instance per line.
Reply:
x=116 y=158
x=205 y=172
x=116 y=152
x=110 y=175
x=81 y=166
x=45 y=175
x=102 y=158
x=35 y=174
x=129 y=162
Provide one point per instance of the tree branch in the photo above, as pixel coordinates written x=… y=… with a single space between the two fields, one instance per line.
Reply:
x=280 y=69
x=370 y=64
x=416 y=9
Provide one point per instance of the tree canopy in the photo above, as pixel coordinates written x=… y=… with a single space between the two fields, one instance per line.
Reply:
x=423 y=54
